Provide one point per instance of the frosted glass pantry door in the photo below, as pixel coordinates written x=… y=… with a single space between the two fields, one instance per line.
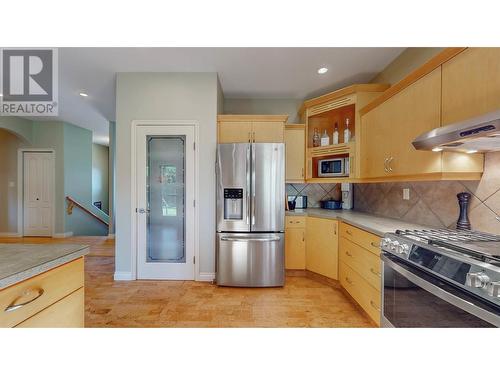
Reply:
x=165 y=187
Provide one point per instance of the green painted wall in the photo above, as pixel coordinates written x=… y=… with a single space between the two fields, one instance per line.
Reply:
x=100 y=176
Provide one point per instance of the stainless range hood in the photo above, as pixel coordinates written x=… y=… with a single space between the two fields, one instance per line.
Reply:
x=479 y=134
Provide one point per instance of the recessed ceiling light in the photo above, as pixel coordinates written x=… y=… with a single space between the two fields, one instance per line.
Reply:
x=437 y=149
x=322 y=70
x=471 y=151
x=83 y=94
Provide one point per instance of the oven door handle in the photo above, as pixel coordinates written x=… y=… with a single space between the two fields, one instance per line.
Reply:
x=444 y=295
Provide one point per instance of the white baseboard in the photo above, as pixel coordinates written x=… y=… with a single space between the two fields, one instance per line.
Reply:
x=111 y=236
x=206 y=276
x=120 y=276
x=10 y=234
x=63 y=235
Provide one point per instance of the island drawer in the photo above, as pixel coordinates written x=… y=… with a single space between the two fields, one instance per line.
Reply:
x=39 y=292
x=66 y=313
x=364 y=239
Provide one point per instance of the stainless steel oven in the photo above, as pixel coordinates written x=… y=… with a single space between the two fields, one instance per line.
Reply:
x=336 y=167
x=412 y=297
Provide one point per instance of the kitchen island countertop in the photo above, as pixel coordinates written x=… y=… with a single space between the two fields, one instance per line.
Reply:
x=19 y=262
x=377 y=225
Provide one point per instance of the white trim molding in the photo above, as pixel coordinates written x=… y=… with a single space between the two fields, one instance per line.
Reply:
x=206 y=276
x=123 y=276
x=62 y=235
x=10 y=234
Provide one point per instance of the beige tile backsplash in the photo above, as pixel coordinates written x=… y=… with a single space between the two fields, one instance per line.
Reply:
x=435 y=203
x=315 y=192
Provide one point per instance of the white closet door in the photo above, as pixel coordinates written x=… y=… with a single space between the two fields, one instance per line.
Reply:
x=38 y=193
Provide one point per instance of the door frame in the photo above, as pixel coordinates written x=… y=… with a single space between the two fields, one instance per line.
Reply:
x=20 y=187
x=133 y=188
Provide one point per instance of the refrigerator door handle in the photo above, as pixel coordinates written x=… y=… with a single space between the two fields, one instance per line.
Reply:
x=248 y=185
x=249 y=239
x=253 y=183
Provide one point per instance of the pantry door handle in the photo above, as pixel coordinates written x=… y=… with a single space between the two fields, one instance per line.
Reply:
x=13 y=306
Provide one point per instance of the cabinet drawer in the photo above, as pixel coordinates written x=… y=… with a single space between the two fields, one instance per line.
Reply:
x=362 y=261
x=66 y=313
x=52 y=286
x=295 y=222
x=364 y=239
x=367 y=296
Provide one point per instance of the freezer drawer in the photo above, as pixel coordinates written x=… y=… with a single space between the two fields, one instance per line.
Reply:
x=250 y=259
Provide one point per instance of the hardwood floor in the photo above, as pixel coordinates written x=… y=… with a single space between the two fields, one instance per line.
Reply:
x=303 y=302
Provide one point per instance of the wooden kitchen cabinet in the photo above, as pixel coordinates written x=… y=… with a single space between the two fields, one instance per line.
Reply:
x=251 y=128
x=389 y=129
x=295 y=152
x=44 y=299
x=322 y=246
x=360 y=268
x=295 y=243
x=471 y=84
x=234 y=131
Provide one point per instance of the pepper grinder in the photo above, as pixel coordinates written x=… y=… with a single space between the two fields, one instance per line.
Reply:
x=463 y=201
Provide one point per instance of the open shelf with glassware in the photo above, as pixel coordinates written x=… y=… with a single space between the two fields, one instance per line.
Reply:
x=332 y=112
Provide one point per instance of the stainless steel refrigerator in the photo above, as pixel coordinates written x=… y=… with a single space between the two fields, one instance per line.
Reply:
x=250 y=214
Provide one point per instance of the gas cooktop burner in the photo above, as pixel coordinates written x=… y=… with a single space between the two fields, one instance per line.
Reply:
x=482 y=246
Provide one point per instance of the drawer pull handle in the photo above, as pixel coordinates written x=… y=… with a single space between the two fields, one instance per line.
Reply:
x=375 y=272
x=374 y=306
x=13 y=306
x=348 y=254
x=297 y=222
x=348 y=280
x=348 y=232
x=375 y=244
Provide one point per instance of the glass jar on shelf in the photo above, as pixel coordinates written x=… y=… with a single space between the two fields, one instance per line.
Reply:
x=316 y=138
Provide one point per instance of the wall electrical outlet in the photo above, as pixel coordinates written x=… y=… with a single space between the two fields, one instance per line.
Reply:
x=406 y=194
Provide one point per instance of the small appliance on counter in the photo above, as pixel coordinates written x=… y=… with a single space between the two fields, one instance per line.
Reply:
x=300 y=201
x=331 y=204
x=347 y=195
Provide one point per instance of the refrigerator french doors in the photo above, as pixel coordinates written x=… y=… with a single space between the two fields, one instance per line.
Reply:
x=250 y=214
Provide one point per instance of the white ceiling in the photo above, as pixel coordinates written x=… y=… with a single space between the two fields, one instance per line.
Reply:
x=243 y=73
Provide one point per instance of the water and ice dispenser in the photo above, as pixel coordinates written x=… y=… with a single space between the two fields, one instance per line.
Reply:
x=233 y=204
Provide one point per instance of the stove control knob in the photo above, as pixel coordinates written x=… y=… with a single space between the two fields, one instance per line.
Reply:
x=494 y=289
x=477 y=279
x=404 y=249
x=385 y=244
x=394 y=246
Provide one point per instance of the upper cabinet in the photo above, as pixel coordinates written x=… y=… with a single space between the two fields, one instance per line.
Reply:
x=251 y=128
x=295 y=152
x=389 y=129
x=451 y=86
x=471 y=84
x=335 y=110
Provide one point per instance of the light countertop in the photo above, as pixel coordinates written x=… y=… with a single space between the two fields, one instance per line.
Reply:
x=19 y=262
x=377 y=225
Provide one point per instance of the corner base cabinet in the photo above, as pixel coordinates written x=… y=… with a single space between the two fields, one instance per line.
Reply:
x=322 y=246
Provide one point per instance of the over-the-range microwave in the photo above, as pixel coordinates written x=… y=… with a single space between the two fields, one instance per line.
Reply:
x=337 y=167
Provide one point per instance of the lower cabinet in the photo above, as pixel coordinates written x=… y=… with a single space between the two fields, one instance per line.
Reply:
x=295 y=243
x=360 y=268
x=322 y=246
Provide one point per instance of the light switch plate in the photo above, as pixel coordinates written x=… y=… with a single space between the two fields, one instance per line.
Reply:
x=406 y=194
